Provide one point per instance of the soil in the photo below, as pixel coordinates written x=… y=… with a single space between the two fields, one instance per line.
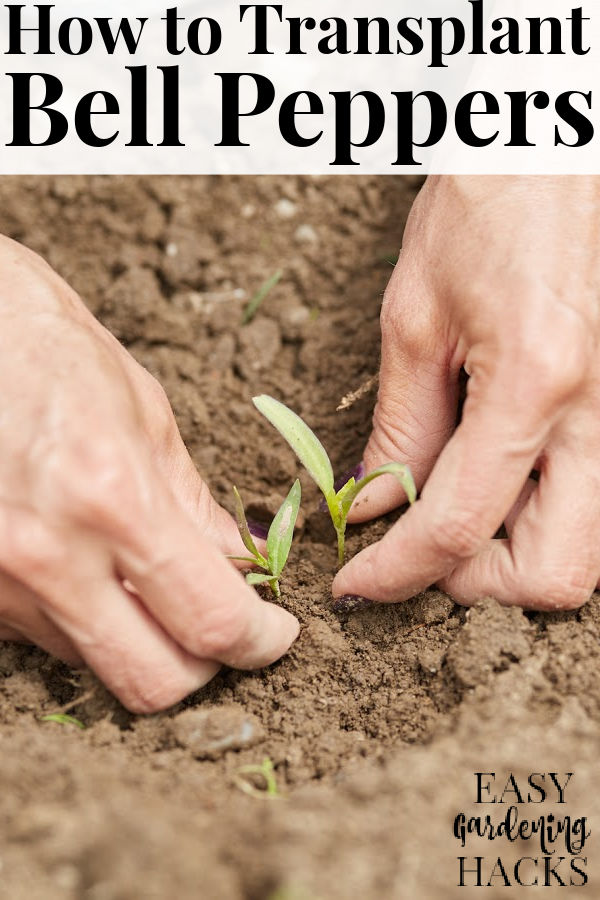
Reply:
x=379 y=717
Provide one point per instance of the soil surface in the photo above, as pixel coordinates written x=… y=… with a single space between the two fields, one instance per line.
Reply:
x=377 y=720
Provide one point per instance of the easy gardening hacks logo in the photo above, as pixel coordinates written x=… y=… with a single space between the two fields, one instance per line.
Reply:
x=515 y=813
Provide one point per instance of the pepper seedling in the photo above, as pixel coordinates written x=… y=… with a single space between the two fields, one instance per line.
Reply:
x=279 y=540
x=267 y=772
x=313 y=456
x=63 y=719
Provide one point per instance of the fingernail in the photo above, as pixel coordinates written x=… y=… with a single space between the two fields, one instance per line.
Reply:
x=357 y=473
x=258 y=531
x=351 y=603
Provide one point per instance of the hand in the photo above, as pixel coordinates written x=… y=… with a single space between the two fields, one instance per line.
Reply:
x=111 y=547
x=502 y=276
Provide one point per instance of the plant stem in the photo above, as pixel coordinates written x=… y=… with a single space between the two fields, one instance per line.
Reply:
x=341 y=536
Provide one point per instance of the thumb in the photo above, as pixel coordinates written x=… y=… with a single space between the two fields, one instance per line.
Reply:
x=418 y=393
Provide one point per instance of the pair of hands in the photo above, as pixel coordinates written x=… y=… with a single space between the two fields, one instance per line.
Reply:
x=112 y=551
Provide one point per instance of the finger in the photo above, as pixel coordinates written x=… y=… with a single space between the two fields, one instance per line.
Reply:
x=10 y=634
x=128 y=650
x=416 y=406
x=172 y=458
x=551 y=560
x=213 y=522
x=472 y=488
x=198 y=597
x=208 y=608
x=522 y=501
x=23 y=620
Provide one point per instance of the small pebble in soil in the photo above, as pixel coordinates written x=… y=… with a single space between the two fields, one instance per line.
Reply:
x=210 y=733
x=285 y=209
x=431 y=659
x=306 y=234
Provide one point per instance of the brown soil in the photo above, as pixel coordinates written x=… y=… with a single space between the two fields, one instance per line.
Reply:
x=378 y=718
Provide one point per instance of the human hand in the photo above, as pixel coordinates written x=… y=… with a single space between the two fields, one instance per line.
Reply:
x=111 y=547
x=502 y=276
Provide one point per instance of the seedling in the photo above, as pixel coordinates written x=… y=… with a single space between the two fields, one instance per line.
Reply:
x=265 y=771
x=291 y=892
x=313 y=456
x=261 y=295
x=391 y=258
x=63 y=719
x=279 y=540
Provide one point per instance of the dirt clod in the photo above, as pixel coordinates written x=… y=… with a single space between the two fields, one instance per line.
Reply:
x=210 y=733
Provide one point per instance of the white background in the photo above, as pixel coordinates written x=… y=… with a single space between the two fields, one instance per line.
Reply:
x=269 y=154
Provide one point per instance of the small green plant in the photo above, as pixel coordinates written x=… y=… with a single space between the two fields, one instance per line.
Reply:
x=291 y=892
x=313 y=456
x=279 y=540
x=391 y=258
x=257 y=300
x=266 y=771
x=63 y=719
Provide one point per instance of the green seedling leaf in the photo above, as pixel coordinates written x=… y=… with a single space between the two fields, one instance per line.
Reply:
x=266 y=772
x=246 y=559
x=345 y=498
x=349 y=492
x=315 y=460
x=281 y=532
x=291 y=892
x=391 y=258
x=242 y=524
x=254 y=578
x=63 y=719
x=305 y=444
x=402 y=473
x=261 y=295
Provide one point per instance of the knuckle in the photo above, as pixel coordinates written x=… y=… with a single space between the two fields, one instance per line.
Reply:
x=458 y=535
x=395 y=431
x=161 y=420
x=557 y=370
x=150 y=695
x=31 y=552
x=405 y=319
x=98 y=481
x=557 y=361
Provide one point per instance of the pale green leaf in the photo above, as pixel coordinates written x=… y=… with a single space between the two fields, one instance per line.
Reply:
x=257 y=301
x=402 y=473
x=305 y=444
x=281 y=531
x=253 y=578
x=345 y=498
x=245 y=559
x=242 y=524
x=63 y=719
x=267 y=772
